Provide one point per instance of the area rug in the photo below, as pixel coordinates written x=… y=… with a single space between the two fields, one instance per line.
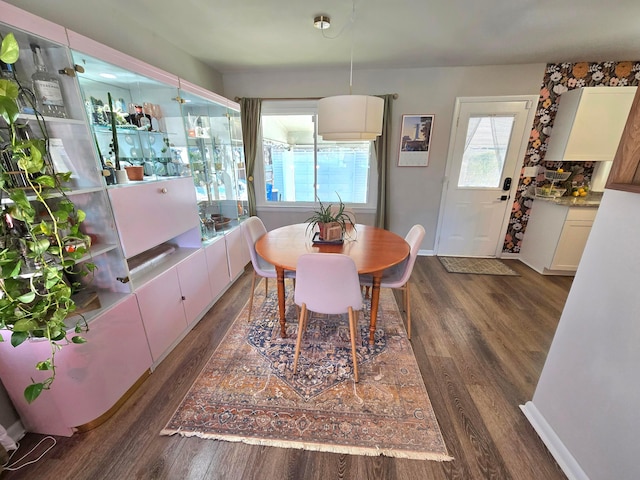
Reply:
x=481 y=266
x=248 y=393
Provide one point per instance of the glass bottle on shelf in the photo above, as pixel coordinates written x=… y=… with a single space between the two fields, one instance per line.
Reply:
x=7 y=72
x=46 y=87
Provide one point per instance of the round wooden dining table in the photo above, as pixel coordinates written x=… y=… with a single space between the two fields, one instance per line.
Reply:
x=372 y=249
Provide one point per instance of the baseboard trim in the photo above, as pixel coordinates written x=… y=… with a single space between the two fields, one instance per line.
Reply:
x=567 y=462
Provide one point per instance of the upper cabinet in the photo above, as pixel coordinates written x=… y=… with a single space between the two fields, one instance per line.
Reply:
x=51 y=107
x=214 y=148
x=589 y=124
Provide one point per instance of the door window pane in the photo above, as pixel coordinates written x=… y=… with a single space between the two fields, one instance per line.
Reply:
x=485 y=151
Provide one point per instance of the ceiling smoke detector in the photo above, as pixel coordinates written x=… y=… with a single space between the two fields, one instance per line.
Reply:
x=322 y=22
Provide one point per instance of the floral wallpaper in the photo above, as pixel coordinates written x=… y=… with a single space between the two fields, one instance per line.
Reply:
x=558 y=78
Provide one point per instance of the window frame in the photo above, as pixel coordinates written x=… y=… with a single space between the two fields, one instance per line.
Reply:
x=304 y=107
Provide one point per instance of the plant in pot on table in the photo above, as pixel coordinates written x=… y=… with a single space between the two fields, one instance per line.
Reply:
x=37 y=221
x=332 y=221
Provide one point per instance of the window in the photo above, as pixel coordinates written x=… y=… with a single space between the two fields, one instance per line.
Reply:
x=485 y=151
x=300 y=167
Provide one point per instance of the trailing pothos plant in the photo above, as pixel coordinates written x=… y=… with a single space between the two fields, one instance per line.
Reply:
x=37 y=221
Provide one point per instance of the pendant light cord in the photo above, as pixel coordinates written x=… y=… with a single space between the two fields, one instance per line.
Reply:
x=352 y=20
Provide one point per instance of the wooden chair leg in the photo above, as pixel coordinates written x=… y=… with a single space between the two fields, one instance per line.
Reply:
x=353 y=321
x=301 y=327
x=266 y=287
x=253 y=287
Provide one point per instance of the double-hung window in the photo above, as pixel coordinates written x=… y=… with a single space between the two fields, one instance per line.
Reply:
x=299 y=167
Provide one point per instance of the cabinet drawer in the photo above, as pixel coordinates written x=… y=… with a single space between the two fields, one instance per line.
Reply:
x=150 y=214
x=586 y=214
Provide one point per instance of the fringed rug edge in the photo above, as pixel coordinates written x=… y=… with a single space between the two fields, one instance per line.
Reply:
x=318 y=447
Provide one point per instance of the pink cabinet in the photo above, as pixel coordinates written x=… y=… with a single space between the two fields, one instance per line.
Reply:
x=237 y=252
x=194 y=285
x=160 y=303
x=91 y=377
x=152 y=213
x=217 y=265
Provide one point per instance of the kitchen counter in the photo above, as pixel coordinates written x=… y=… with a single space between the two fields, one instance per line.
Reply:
x=590 y=201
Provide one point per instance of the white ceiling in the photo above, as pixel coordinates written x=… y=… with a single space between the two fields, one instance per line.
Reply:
x=258 y=35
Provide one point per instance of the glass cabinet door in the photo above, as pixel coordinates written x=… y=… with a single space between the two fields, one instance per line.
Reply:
x=51 y=108
x=213 y=156
x=147 y=120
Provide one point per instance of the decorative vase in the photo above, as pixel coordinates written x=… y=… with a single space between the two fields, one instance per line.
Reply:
x=121 y=177
x=135 y=172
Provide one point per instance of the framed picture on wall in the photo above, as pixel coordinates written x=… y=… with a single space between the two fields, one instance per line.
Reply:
x=415 y=140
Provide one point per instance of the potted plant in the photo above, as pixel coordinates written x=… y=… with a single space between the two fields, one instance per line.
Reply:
x=329 y=219
x=37 y=221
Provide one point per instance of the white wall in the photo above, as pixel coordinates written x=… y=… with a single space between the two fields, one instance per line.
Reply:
x=125 y=33
x=589 y=389
x=415 y=191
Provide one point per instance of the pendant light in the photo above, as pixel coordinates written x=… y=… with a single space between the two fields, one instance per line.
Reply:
x=350 y=117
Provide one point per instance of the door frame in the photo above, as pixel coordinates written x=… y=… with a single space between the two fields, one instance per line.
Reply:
x=532 y=106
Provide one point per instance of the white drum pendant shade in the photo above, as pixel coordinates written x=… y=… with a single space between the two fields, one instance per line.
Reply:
x=350 y=117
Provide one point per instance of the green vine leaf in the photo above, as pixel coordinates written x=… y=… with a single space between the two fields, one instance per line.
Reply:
x=10 y=51
x=78 y=339
x=8 y=107
x=45 y=365
x=18 y=337
x=27 y=297
x=33 y=391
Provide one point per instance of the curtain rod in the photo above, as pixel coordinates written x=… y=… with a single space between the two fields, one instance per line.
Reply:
x=237 y=99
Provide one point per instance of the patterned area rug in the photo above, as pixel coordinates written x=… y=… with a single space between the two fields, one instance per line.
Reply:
x=248 y=393
x=482 y=266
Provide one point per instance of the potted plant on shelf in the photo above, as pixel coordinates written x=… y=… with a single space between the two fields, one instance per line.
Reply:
x=331 y=220
x=37 y=221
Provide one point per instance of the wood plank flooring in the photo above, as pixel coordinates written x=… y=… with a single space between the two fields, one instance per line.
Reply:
x=480 y=342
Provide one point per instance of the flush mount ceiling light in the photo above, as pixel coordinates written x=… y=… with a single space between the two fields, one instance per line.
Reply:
x=350 y=117
x=322 y=22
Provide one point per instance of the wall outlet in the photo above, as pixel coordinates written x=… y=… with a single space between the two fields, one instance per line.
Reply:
x=530 y=172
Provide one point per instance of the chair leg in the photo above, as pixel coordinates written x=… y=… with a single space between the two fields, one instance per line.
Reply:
x=353 y=321
x=266 y=287
x=407 y=307
x=301 y=326
x=253 y=287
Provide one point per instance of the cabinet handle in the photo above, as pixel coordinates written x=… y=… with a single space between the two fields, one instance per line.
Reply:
x=163 y=190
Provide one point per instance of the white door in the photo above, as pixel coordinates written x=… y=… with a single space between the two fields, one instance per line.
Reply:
x=486 y=151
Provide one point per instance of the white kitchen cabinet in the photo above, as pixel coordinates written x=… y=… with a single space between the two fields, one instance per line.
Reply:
x=589 y=124
x=556 y=237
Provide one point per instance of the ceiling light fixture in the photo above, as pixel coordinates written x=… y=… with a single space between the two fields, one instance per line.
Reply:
x=322 y=22
x=350 y=117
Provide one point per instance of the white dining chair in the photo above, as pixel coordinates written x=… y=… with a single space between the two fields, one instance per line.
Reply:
x=327 y=283
x=253 y=229
x=398 y=276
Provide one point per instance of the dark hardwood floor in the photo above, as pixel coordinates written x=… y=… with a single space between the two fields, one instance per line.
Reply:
x=480 y=342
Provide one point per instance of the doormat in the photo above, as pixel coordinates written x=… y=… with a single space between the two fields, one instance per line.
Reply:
x=247 y=391
x=481 y=266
